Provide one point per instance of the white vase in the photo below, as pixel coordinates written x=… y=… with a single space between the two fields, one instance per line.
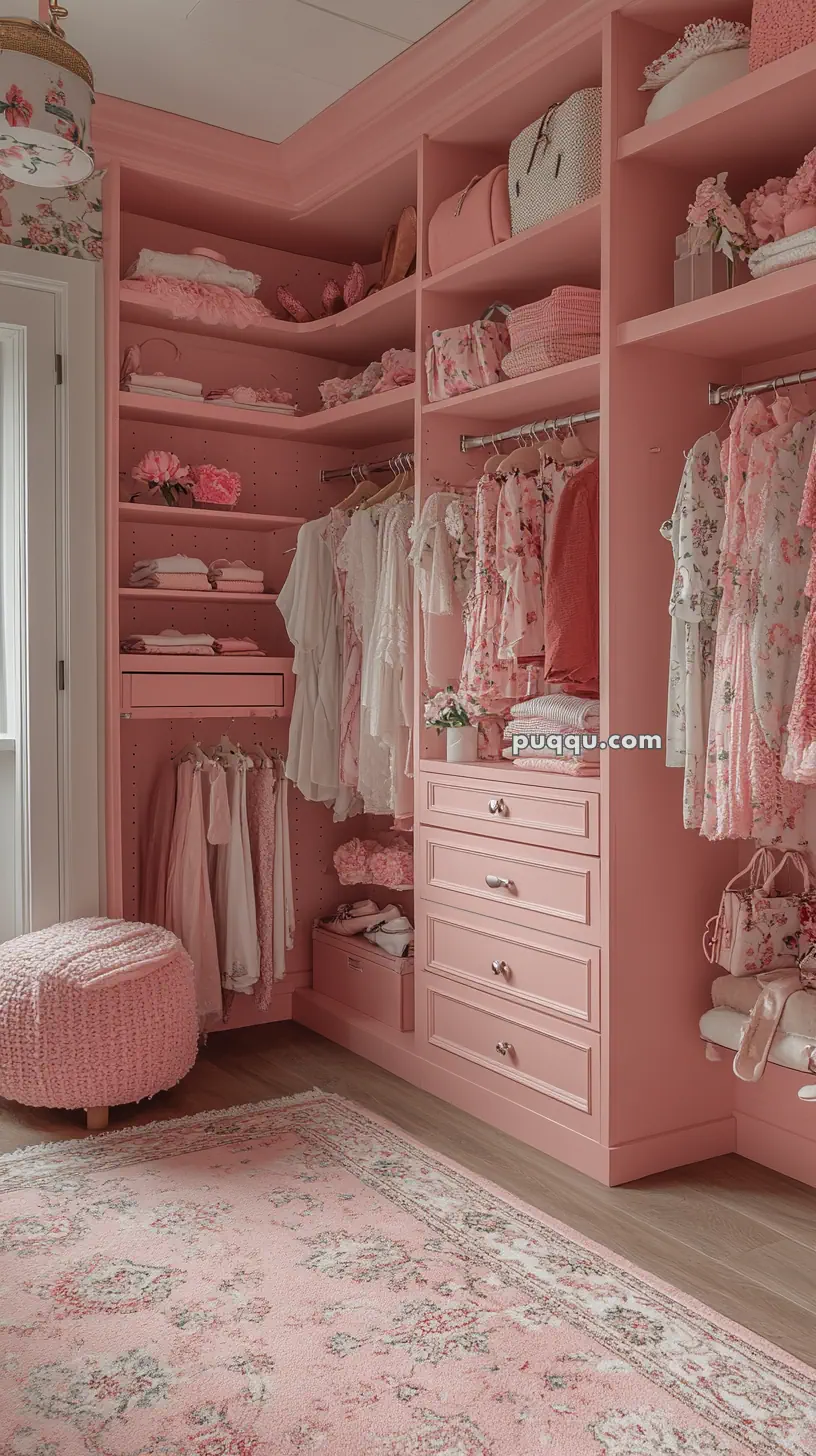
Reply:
x=462 y=744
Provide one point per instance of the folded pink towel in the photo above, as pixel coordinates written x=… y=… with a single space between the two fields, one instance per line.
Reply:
x=223 y=570
x=237 y=647
x=577 y=767
x=152 y=651
x=174 y=581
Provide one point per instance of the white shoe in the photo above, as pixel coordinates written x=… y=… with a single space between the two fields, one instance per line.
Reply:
x=396 y=938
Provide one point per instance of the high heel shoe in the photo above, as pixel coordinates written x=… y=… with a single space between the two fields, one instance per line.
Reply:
x=293 y=306
x=332 y=299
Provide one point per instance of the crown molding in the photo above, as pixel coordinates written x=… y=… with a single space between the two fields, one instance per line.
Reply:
x=485 y=48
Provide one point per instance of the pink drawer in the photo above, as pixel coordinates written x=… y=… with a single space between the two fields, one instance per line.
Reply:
x=350 y=970
x=522 y=967
x=539 y=1062
x=202 y=690
x=545 y=889
x=557 y=818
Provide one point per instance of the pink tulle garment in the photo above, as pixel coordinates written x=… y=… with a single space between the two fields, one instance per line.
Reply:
x=389 y=863
x=212 y=303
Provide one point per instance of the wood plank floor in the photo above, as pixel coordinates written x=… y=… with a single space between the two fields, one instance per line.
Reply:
x=736 y=1236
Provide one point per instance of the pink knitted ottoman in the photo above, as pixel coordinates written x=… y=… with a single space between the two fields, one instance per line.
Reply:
x=93 y=1013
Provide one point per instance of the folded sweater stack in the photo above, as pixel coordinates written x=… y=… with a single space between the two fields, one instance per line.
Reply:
x=164 y=384
x=235 y=576
x=171 y=643
x=196 y=267
x=176 y=573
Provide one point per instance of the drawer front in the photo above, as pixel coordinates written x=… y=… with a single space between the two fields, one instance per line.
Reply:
x=522 y=967
x=201 y=689
x=378 y=991
x=542 y=1063
x=522 y=885
x=559 y=818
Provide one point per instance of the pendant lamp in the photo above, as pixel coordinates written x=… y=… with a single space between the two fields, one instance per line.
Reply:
x=46 y=94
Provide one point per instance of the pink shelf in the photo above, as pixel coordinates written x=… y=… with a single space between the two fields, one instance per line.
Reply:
x=137 y=513
x=564 y=249
x=764 y=120
x=145 y=662
x=386 y=320
x=534 y=395
x=752 y=322
x=161 y=594
x=372 y=421
x=490 y=769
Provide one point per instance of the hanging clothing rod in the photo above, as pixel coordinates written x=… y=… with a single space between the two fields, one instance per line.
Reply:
x=476 y=442
x=350 y=470
x=722 y=393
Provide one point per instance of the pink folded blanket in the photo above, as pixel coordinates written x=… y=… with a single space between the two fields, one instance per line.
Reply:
x=174 y=581
x=212 y=303
x=237 y=647
x=577 y=767
x=249 y=587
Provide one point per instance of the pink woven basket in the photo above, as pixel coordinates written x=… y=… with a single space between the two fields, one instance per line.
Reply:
x=553 y=331
x=95 y=1013
x=532 y=357
x=779 y=27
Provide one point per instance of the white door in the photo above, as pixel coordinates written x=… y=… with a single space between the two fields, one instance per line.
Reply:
x=31 y=833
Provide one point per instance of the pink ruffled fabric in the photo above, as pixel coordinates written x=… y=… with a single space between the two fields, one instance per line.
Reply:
x=211 y=302
x=800 y=760
x=369 y=862
x=400 y=368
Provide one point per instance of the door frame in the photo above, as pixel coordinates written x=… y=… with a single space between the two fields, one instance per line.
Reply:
x=76 y=287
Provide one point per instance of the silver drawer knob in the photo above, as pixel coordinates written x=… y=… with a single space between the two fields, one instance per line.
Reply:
x=504 y=1048
x=501 y=968
x=495 y=882
x=497 y=806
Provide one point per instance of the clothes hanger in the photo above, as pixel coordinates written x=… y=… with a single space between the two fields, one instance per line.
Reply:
x=526 y=458
x=132 y=359
x=550 y=452
x=396 y=486
x=363 y=488
x=194 y=753
x=573 y=450
x=494 y=461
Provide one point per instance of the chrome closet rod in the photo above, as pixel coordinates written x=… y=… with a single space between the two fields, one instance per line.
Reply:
x=476 y=442
x=348 y=471
x=722 y=393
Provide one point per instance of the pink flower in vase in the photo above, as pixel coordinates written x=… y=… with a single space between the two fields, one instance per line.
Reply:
x=161 y=470
x=765 y=209
x=213 y=486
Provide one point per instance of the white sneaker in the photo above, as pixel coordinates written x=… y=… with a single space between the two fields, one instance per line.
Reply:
x=396 y=938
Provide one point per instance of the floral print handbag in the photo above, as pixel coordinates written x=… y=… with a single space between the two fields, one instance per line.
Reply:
x=467 y=357
x=757 y=930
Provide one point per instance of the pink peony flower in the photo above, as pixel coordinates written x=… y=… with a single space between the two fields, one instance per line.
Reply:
x=802 y=186
x=717 y=218
x=163 y=471
x=40 y=235
x=764 y=210
x=214 y=486
x=16 y=110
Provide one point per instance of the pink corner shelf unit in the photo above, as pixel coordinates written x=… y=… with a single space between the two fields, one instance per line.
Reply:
x=561 y=1007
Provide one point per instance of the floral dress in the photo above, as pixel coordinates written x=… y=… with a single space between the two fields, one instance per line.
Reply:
x=762 y=570
x=486 y=677
x=432 y=559
x=694 y=530
x=519 y=560
x=800 y=759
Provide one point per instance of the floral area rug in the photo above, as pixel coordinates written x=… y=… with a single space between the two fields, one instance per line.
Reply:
x=301 y=1277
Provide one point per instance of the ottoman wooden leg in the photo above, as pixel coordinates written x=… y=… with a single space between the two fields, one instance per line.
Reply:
x=97 y=1118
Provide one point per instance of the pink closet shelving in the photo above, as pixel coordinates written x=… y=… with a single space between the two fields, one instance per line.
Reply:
x=605 y=1068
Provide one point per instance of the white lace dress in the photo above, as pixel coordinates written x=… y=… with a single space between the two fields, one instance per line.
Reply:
x=234 y=890
x=388 y=683
x=432 y=559
x=359 y=556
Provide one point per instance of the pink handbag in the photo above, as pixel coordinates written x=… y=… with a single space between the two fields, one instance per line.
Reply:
x=757 y=930
x=467 y=357
x=779 y=27
x=471 y=221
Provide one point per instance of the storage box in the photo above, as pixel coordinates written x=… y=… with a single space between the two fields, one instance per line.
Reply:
x=699 y=275
x=349 y=969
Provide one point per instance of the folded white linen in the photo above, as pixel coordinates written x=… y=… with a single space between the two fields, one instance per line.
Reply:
x=171 y=638
x=163 y=384
x=589 y=755
x=725 y=1028
x=176 y=564
x=151 y=264
x=223 y=570
x=562 y=709
x=798 y=248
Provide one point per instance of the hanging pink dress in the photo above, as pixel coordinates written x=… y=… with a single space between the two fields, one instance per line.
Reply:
x=351 y=657
x=761 y=574
x=189 y=903
x=800 y=760
x=519 y=561
x=486 y=677
x=262 y=794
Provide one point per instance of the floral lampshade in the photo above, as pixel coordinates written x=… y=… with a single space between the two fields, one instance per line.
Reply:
x=46 y=94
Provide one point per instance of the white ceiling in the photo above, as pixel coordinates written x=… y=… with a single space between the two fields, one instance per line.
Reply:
x=259 y=67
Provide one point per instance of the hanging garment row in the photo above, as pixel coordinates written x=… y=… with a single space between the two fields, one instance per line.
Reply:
x=514 y=560
x=347 y=607
x=742 y=679
x=217 y=871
